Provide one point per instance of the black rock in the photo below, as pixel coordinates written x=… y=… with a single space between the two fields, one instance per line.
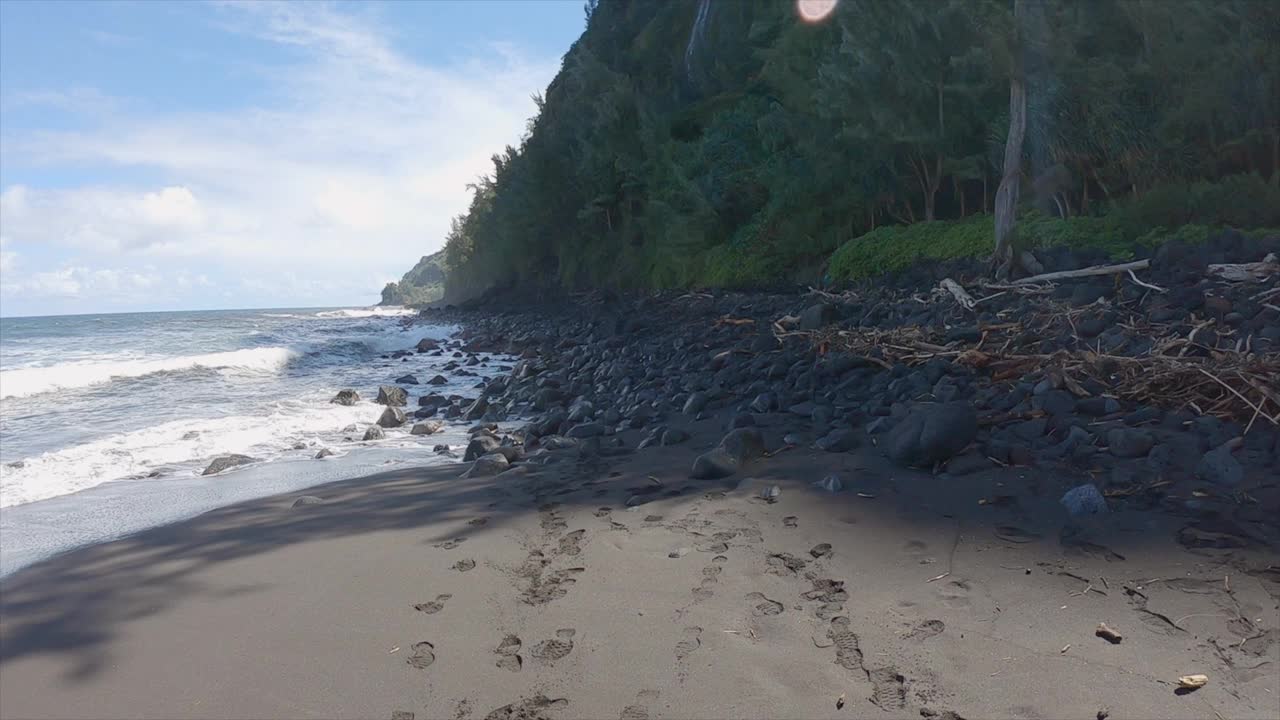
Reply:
x=392 y=395
x=480 y=445
x=374 y=433
x=438 y=380
x=586 y=430
x=324 y=453
x=226 y=462
x=1129 y=443
x=674 y=436
x=430 y=427
x=407 y=380
x=932 y=433
x=1220 y=467
x=392 y=417
x=346 y=397
x=838 y=440
x=818 y=316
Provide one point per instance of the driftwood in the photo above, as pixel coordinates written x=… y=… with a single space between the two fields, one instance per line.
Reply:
x=1246 y=272
x=1084 y=272
x=966 y=301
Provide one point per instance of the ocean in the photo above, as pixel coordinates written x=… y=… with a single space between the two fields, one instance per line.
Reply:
x=107 y=421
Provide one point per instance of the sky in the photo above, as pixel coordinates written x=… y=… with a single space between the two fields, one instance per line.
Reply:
x=178 y=155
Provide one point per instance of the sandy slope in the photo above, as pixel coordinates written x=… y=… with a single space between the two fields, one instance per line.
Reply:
x=367 y=605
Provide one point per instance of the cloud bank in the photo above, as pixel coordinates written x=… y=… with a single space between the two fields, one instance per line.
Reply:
x=338 y=184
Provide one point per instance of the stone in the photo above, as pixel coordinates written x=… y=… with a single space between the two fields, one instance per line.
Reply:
x=226 y=462
x=1220 y=467
x=818 y=316
x=438 y=380
x=489 y=464
x=838 y=440
x=763 y=403
x=674 y=436
x=392 y=417
x=480 y=445
x=696 y=403
x=324 y=453
x=586 y=430
x=392 y=396
x=743 y=444
x=717 y=463
x=406 y=380
x=430 y=427
x=1054 y=402
x=346 y=397
x=1129 y=443
x=932 y=433
x=1084 y=500
x=476 y=410
x=426 y=345
x=374 y=433
x=1097 y=406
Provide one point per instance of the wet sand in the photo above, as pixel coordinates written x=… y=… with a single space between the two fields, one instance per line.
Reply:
x=617 y=587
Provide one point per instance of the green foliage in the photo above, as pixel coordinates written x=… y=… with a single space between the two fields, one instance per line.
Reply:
x=744 y=149
x=423 y=284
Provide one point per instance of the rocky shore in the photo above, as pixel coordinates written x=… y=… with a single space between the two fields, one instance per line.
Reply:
x=1060 y=501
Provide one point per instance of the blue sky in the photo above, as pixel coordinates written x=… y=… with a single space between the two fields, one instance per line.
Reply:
x=164 y=156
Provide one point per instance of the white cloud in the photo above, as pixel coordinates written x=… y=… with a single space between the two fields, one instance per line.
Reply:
x=351 y=173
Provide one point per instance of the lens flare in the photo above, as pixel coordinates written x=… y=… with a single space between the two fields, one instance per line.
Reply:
x=813 y=11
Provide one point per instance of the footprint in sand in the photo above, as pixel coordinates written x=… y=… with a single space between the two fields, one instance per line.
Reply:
x=423 y=655
x=826 y=611
x=450 y=544
x=507 y=652
x=926 y=630
x=640 y=710
x=533 y=708
x=763 y=605
x=571 y=544
x=401 y=715
x=955 y=595
x=549 y=651
x=827 y=591
x=889 y=689
x=784 y=564
x=820 y=550
x=848 y=652
x=602 y=512
x=692 y=641
x=464 y=565
x=477 y=522
x=434 y=606
x=791 y=521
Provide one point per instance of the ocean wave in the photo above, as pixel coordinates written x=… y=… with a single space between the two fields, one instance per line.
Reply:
x=24 y=382
x=179 y=446
x=378 y=311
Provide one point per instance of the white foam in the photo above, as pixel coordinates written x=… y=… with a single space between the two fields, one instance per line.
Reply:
x=183 y=446
x=376 y=311
x=24 y=382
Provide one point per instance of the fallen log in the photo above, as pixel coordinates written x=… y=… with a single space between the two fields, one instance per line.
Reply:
x=966 y=301
x=1246 y=272
x=1084 y=272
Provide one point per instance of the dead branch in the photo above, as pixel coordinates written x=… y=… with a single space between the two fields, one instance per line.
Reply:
x=1084 y=272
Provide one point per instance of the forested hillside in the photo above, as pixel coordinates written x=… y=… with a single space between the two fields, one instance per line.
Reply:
x=728 y=142
x=424 y=283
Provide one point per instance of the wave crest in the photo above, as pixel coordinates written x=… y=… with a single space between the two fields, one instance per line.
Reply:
x=25 y=382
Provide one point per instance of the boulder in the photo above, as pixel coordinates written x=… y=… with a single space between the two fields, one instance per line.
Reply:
x=696 y=403
x=426 y=345
x=737 y=447
x=489 y=464
x=226 y=462
x=674 y=436
x=586 y=430
x=838 y=440
x=932 y=434
x=480 y=445
x=438 y=380
x=346 y=397
x=1220 y=467
x=374 y=433
x=1129 y=443
x=476 y=410
x=430 y=427
x=818 y=316
x=392 y=417
x=392 y=396
x=324 y=453
x=407 y=380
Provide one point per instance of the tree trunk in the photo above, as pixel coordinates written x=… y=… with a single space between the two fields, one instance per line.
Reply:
x=1003 y=259
x=984 y=192
x=955 y=182
x=1275 y=158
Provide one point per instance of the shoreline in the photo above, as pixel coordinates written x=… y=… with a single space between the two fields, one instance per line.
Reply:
x=596 y=577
